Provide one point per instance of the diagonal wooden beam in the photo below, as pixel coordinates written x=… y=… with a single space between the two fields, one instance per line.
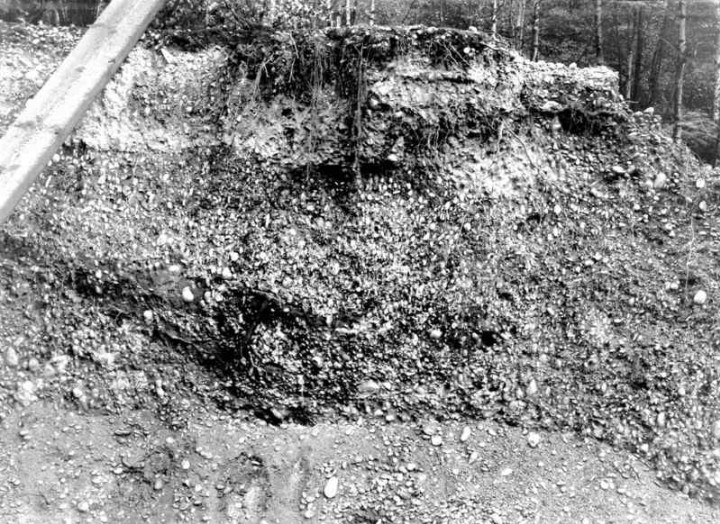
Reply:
x=50 y=116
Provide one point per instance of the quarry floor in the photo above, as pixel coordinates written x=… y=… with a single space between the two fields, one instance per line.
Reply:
x=63 y=465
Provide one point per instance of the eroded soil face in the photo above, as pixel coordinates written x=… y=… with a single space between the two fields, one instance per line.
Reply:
x=191 y=333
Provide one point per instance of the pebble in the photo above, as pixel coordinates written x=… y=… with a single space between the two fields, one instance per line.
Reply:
x=368 y=388
x=533 y=439
x=661 y=420
x=436 y=440
x=716 y=429
x=60 y=363
x=703 y=206
x=331 y=487
x=147 y=315
x=185 y=464
x=226 y=273
x=660 y=180
x=506 y=472
x=158 y=484
x=430 y=429
x=11 y=357
x=83 y=507
x=26 y=393
x=187 y=294
x=465 y=435
x=532 y=388
x=700 y=297
x=700 y=183
x=33 y=364
x=435 y=334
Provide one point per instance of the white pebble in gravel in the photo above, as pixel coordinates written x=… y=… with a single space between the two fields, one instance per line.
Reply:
x=11 y=358
x=187 y=294
x=532 y=388
x=533 y=439
x=700 y=297
x=331 y=487
x=716 y=429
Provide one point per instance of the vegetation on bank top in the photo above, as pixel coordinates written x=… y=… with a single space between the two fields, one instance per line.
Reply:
x=638 y=39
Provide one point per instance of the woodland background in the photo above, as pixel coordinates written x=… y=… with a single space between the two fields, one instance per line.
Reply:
x=665 y=51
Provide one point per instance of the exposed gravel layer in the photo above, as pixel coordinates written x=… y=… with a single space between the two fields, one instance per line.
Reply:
x=170 y=281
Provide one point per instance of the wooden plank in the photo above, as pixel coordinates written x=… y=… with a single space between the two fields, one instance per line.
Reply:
x=50 y=116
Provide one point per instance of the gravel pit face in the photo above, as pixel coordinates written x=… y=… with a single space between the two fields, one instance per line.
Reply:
x=392 y=289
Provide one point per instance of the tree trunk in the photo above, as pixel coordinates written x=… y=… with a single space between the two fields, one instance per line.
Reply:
x=350 y=7
x=536 y=31
x=599 y=52
x=639 y=49
x=372 y=12
x=629 y=75
x=716 y=98
x=656 y=65
x=520 y=26
x=680 y=69
x=493 y=23
x=630 y=55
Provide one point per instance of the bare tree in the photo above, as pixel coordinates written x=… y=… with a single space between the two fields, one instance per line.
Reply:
x=639 y=50
x=680 y=67
x=716 y=98
x=334 y=13
x=599 y=52
x=520 y=25
x=536 y=31
x=656 y=65
x=494 y=19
